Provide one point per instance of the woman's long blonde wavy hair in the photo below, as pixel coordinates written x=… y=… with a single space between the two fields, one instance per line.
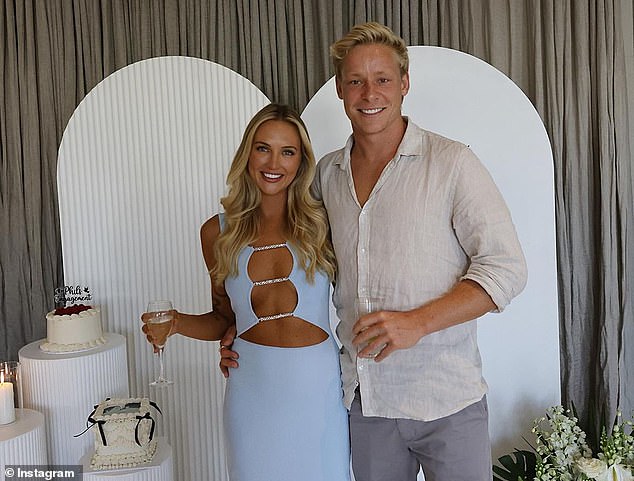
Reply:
x=306 y=223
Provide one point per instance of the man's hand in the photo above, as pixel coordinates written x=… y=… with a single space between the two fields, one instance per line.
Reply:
x=228 y=358
x=467 y=300
x=385 y=332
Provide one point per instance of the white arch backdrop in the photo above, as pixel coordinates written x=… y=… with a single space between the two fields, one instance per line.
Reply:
x=464 y=98
x=143 y=163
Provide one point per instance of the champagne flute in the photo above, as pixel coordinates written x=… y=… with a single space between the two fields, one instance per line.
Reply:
x=161 y=317
x=365 y=305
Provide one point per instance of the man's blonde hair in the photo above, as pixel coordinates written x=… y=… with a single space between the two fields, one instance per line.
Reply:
x=369 y=33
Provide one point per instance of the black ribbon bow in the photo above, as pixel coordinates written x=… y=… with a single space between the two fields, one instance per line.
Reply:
x=91 y=421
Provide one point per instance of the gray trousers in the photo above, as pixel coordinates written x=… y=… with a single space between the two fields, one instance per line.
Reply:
x=453 y=448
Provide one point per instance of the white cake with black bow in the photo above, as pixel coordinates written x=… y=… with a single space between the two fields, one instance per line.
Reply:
x=124 y=433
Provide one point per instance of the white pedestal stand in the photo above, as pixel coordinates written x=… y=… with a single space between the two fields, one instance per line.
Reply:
x=23 y=441
x=66 y=387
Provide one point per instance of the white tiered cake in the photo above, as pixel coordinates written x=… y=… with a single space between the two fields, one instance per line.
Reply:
x=72 y=329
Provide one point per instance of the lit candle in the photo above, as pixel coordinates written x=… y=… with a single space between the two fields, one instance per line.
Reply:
x=7 y=408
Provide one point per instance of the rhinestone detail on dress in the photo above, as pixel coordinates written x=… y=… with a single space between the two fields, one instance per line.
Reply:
x=274 y=317
x=270 y=246
x=270 y=281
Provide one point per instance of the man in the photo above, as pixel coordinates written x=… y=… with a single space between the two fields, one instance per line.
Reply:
x=417 y=222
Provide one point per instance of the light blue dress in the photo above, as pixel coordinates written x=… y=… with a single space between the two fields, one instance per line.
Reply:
x=283 y=413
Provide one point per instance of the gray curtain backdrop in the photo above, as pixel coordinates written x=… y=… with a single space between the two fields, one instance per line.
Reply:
x=574 y=60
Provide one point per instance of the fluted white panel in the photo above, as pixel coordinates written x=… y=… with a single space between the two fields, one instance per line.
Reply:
x=23 y=441
x=142 y=165
x=66 y=387
x=161 y=468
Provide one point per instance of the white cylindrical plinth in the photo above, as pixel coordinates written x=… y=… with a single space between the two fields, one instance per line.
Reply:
x=66 y=388
x=161 y=468
x=23 y=441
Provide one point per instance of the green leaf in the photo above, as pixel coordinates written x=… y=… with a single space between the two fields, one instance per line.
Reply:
x=520 y=466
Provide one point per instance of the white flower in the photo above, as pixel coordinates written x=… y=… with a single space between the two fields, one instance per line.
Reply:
x=592 y=467
x=616 y=472
x=620 y=473
x=564 y=455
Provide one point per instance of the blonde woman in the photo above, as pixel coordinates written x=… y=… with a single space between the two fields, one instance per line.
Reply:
x=271 y=263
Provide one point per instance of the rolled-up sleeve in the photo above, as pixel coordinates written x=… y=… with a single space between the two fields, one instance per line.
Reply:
x=485 y=230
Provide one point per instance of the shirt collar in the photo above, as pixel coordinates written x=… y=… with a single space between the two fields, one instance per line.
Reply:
x=411 y=145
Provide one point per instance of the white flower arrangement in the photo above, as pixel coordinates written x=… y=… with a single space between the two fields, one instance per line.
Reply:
x=563 y=455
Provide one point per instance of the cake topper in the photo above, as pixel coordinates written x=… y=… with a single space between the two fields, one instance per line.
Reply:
x=70 y=295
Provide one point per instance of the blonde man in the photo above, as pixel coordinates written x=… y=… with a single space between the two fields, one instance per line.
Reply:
x=418 y=224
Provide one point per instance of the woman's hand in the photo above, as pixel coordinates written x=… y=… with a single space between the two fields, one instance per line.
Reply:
x=228 y=358
x=156 y=333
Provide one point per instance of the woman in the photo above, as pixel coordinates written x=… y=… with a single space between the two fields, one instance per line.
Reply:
x=271 y=263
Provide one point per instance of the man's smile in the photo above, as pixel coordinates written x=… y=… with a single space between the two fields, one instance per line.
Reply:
x=372 y=111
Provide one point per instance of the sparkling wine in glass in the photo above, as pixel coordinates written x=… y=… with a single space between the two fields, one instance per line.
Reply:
x=365 y=305
x=161 y=317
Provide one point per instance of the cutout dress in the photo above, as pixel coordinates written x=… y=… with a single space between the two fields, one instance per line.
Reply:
x=283 y=413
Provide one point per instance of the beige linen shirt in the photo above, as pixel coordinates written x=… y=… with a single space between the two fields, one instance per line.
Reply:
x=433 y=218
